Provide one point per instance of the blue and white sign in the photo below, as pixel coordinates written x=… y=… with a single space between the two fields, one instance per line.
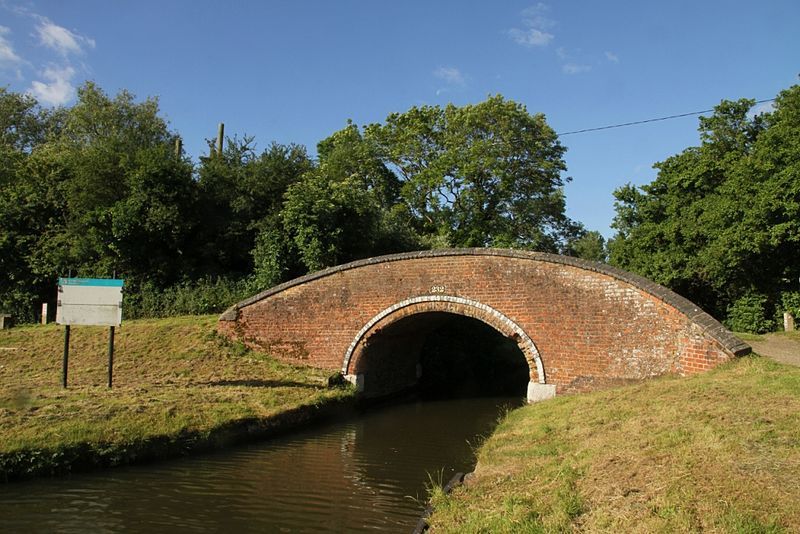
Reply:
x=89 y=301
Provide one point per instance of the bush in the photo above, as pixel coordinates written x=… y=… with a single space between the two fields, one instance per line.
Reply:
x=198 y=297
x=748 y=315
x=790 y=301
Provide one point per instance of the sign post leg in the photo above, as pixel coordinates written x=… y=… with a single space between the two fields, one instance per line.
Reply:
x=110 y=354
x=65 y=363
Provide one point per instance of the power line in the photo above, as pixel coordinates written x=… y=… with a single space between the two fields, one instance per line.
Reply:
x=648 y=120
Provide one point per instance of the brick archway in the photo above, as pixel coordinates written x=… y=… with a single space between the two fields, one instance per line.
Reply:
x=457 y=306
x=537 y=387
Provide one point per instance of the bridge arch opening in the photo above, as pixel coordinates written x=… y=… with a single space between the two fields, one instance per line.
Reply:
x=447 y=344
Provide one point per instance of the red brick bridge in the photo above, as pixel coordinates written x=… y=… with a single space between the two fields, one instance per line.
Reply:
x=580 y=325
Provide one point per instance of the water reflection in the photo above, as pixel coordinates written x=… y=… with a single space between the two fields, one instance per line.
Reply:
x=365 y=474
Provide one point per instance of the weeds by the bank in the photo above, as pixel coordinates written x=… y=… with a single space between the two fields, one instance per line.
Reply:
x=718 y=452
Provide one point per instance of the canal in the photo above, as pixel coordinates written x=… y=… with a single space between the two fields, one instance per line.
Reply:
x=367 y=473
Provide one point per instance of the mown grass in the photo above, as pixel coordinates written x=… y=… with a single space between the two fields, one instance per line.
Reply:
x=718 y=452
x=177 y=386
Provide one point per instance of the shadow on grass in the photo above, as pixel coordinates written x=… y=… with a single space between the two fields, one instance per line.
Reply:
x=263 y=384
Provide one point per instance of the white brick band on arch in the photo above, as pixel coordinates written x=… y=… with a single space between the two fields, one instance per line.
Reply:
x=525 y=342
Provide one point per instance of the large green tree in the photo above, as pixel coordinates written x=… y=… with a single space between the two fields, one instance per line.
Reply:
x=25 y=205
x=345 y=208
x=488 y=174
x=94 y=189
x=125 y=198
x=721 y=221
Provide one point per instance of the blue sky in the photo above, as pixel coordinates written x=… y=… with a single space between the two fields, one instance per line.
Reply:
x=296 y=71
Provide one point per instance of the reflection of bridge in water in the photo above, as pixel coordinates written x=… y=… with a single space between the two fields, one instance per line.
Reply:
x=580 y=325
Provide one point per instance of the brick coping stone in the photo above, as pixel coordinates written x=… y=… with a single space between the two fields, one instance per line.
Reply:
x=706 y=322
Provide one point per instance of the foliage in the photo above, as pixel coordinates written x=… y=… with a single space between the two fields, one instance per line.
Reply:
x=790 y=302
x=199 y=297
x=721 y=220
x=487 y=174
x=97 y=190
x=344 y=209
x=94 y=189
x=241 y=194
x=747 y=314
x=589 y=245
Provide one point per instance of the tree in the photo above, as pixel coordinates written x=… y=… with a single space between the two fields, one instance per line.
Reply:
x=125 y=200
x=721 y=221
x=589 y=245
x=479 y=175
x=94 y=189
x=24 y=205
x=344 y=209
x=242 y=193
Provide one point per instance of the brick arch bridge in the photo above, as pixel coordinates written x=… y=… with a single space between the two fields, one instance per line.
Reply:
x=580 y=325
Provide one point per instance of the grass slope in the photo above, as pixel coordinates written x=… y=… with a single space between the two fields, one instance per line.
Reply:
x=177 y=386
x=717 y=452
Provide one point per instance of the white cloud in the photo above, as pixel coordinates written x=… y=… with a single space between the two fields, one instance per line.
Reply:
x=574 y=68
x=534 y=17
x=450 y=75
x=530 y=37
x=536 y=25
x=58 y=89
x=55 y=85
x=612 y=57
x=7 y=54
x=61 y=39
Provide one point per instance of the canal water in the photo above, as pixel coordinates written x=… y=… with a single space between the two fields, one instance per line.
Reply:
x=368 y=473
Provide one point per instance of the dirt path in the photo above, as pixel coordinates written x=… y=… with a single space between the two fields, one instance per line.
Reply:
x=779 y=347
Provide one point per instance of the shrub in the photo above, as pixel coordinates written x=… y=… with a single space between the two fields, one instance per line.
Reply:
x=790 y=301
x=200 y=297
x=747 y=314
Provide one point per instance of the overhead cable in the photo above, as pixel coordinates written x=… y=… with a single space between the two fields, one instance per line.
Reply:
x=648 y=120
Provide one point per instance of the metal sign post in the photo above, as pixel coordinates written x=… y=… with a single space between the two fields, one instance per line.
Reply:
x=110 y=355
x=65 y=364
x=89 y=301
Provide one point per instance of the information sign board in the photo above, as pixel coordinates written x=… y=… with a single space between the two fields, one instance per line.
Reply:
x=89 y=301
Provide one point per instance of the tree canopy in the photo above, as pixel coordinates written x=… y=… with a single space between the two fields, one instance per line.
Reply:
x=97 y=189
x=721 y=221
x=488 y=174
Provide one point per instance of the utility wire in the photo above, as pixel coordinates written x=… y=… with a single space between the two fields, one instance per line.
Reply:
x=648 y=120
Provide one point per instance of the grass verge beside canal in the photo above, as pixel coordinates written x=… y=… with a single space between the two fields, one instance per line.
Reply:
x=178 y=387
x=717 y=452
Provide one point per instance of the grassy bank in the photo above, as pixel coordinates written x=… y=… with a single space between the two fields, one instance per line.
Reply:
x=718 y=452
x=177 y=387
